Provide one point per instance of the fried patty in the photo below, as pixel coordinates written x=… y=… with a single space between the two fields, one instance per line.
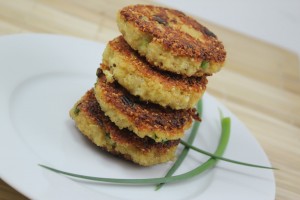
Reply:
x=92 y=122
x=171 y=40
x=123 y=64
x=143 y=118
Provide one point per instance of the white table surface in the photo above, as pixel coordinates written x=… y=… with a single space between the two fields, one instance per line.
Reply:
x=273 y=21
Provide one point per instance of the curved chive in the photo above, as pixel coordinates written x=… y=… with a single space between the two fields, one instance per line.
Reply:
x=186 y=144
x=186 y=149
x=208 y=164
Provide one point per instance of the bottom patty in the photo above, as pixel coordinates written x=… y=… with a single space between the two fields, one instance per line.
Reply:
x=92 y=122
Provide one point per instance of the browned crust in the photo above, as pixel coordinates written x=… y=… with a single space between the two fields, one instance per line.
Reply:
x=91 y=108
x=144 y=115
x=196 y=84
x=174 y=40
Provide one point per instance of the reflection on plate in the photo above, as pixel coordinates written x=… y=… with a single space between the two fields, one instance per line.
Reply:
x=42 y=76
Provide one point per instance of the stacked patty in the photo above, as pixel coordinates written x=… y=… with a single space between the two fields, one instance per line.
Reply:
x=94 y=124
x=148 y=83
x=170 y=40
x=133 y=72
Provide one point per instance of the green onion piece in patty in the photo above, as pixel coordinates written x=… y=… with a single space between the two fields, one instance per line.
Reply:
x=76 y=110
x=204 y=64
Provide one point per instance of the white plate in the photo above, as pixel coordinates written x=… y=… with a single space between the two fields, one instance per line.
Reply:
x=42 y=76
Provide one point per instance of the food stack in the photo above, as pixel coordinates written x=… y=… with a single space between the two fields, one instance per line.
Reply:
x=148 y=83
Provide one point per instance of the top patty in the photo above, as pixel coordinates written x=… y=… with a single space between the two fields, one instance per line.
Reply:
x=135 y=74
x=143 y=118
x=171 y=40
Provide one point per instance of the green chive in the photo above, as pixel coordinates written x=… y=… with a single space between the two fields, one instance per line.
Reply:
x=207 y=165
x=204 y=64
x=211 y=162
x=186 y=144
x=185 y=151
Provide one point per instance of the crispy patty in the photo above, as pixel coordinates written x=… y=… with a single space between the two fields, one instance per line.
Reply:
x=92 y=122
x=171 y=40
x=143 y=118
x=123 y=64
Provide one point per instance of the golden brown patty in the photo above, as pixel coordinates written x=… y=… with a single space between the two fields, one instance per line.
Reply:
x=171 y=40
x=123 y=64
x=92 y=122
x=143 y=118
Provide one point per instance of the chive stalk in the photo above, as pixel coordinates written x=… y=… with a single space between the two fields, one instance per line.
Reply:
x=198 y=170
x=186 y=144
x=186 y=149
x=211 y=162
